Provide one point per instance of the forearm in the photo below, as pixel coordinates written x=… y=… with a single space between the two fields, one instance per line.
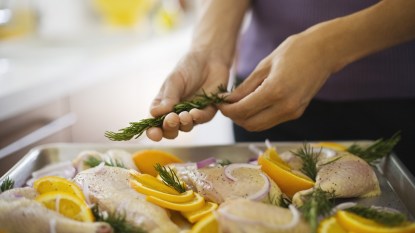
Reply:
x=218 y=27
x=349 y=38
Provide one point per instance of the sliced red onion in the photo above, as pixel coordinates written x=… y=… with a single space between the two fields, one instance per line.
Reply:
x=229 y=169
x=294 y=221
x=261 y=192
x=206 y=162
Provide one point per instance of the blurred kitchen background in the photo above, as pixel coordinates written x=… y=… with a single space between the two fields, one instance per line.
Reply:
x=72 y=69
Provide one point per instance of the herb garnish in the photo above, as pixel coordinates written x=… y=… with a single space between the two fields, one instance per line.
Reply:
x=136 y=129
x=377 y=150
x=7 y=184
x=224 y=162
x=384 y=217
x=318 y=203
x=92 y=161
x=170 y=178
x=116 y=220
x=309 y=158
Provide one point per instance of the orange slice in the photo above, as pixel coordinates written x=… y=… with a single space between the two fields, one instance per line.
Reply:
x=66 y=204
x=194 y=216
x=152 y=182
x=196 y=203
x=176 y=198
x=287 y=181
x=357 y=224
x=272 y=154
x=207 y=224
x=56 y=183
x=145 y=160
x=330 y=225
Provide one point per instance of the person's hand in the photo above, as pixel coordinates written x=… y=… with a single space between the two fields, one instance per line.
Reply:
x=281 y=86
x=196 y=72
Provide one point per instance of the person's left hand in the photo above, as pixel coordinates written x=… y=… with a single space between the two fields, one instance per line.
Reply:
x=281 y=86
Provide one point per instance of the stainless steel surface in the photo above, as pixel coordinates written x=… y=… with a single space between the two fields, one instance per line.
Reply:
x=397 y=184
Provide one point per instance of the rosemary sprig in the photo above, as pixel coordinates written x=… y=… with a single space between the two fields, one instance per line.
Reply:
x=136 y=129
x=224 y=162
x=387 y=218
x=318 y=203
x=309 y=158
x=7 y=184
x=116 y=220
x=92 y=161
x=377 y=150
x=170 y=178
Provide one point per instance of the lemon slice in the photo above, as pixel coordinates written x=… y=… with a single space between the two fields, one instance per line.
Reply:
x=196 y=203
x=288 y=182
x=330 y=225
x=176 y=198
x=66 y=204
x=145 y=160
x=152 y=182
x=207 y=224
x=56 y=183
x=196 y=215
x=331 y=145
x=357 y=224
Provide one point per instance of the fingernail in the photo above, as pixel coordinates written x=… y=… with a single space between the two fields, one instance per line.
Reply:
x=171 y=123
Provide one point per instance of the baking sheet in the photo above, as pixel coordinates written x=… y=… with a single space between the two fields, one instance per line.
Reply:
x=397 y=183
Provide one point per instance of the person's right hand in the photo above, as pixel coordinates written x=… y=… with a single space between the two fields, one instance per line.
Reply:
x=201 y=70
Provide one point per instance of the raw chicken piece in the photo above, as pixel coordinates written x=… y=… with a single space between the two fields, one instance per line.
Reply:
x=346 y=175
x=242 y=215
x=109 y=188
x=19 y=213
x=110 y=156
x=213 y=184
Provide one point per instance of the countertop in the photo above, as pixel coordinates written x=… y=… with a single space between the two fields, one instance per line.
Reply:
x=35 y=71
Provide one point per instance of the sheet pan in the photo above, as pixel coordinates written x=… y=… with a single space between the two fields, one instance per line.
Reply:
x=397 y=183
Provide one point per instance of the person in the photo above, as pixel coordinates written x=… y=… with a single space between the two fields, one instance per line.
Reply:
x=320 y=70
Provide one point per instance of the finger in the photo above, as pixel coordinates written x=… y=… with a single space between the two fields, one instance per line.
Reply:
x=171 y=126
x=154 y=133
x=186 y=121
x=250 y=83
x=169 y=95
x=250 y=105
x=200 y=116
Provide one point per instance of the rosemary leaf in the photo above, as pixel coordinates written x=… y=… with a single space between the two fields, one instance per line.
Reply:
x=309 y=158
x=318 y=203
x=116 y=220
x=136 y=129
x=170 y=178
x=387 y=218
x=7 y=184
x=224 y=162
x=377 y=150
x=92 y=161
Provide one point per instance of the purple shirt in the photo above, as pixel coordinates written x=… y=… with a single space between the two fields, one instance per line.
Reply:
x=386 y=74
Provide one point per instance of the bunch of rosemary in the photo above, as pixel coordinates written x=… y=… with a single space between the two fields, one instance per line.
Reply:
x=170 y=178
x=136 y=129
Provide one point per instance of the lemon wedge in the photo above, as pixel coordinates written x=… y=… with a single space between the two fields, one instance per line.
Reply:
x=357 y=224
x=330 y=225
x=207 y=224
x=288 y=182
x=152 y=182
x=196 y=203
x=196 y=215
x=66 y=204
x=176 y=198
